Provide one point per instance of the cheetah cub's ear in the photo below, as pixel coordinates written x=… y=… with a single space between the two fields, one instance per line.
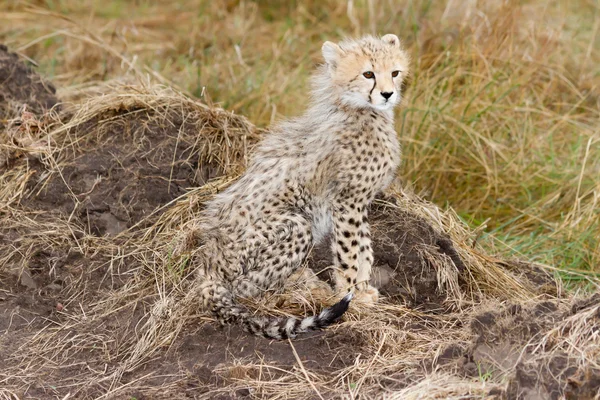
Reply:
x=392 y=39
x=331 y=53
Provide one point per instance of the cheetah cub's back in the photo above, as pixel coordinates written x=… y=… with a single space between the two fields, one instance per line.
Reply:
x=313 y=176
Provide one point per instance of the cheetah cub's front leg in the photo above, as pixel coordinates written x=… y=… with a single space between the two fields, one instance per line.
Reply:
x=352 y=252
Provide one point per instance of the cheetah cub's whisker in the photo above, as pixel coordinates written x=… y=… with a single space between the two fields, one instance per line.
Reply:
x=311 y=177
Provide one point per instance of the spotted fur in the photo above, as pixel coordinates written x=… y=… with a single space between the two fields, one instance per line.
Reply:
x=311 y=177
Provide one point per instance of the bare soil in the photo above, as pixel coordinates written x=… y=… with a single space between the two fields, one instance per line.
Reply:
x=22 y=87
x=120 y=179
x=502 y=341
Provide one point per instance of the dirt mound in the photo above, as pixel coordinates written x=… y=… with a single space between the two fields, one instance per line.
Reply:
x=21 y=86
x=409 y=254
x=23 y=93
x=117 y=166
x=92 y=301
x=132 y=165
x=537 y=347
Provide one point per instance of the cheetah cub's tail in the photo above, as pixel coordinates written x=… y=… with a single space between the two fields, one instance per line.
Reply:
x=278 y=328
x=220 y=302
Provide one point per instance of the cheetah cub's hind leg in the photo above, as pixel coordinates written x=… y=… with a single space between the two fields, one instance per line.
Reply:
x=310 y=285
x=273 y=259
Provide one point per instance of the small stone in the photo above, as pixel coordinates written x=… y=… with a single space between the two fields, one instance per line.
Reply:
x=26 y=279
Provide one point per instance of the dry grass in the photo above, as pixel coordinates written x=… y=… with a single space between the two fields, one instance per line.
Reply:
x=500 y=130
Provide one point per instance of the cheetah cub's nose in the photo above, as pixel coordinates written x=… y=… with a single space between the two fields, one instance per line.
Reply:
x=387 y=95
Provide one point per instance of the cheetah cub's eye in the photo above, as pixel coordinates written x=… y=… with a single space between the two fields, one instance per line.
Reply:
x=395 y=74
x=369 y=75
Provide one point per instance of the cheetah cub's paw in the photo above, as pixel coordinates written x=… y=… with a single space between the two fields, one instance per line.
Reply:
x=367 y=295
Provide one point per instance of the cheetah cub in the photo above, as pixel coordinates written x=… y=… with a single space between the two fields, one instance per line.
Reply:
x=311 y=177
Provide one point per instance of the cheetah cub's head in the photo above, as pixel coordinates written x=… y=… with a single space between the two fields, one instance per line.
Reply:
x=367 y=72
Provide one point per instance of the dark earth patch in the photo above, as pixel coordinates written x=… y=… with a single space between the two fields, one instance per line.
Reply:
x=501 y=344
x=133 y=164
x=21 y=86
